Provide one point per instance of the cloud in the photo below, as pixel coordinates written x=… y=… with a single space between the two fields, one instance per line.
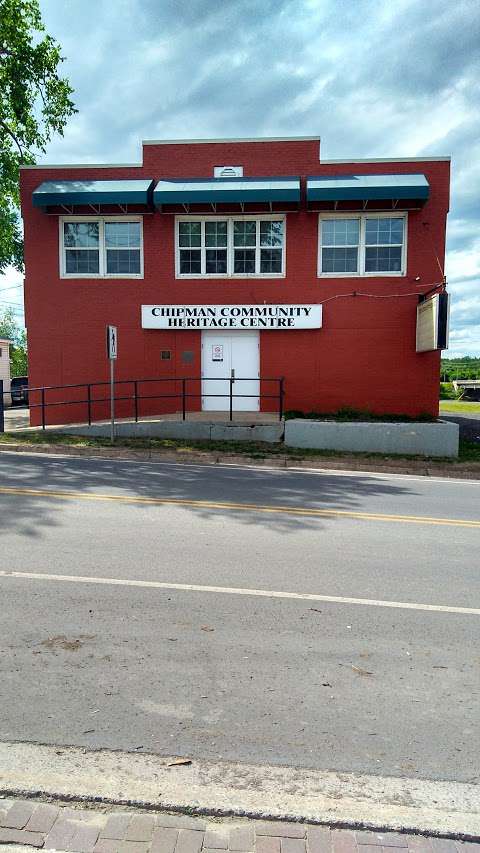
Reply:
x=464 y=341
x=373 y=79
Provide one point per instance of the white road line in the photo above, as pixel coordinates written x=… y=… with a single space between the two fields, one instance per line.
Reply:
x=259 y=593
x=382 y=475
x=329 y=472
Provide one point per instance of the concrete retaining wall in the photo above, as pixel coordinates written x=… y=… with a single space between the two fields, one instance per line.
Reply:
x=194 y=430
x=426 y=439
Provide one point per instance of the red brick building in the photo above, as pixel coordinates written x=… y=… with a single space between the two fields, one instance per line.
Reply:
x=255 y=256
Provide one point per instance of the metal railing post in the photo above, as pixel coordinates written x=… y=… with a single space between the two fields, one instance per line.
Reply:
x=2 y=408
x=89 y=401
x=280 y=400
x=231 y=398
x=135 y=397
x=43 y=408
x=184 y=385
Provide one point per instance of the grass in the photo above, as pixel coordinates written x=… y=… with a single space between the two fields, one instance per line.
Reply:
x=459 y=406
x=185 y=446
x=469 y=450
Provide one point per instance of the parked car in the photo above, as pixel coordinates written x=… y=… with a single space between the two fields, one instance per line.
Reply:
x=19 y=390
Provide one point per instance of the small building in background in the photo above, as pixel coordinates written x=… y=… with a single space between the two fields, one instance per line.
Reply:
x=5 y=369
x=470 y=388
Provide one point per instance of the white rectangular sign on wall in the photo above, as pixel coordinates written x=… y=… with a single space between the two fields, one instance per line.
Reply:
x=231 y=317
x=432 y=323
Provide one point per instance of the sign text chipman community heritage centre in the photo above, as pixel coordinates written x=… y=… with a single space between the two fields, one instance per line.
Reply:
x=231 y=316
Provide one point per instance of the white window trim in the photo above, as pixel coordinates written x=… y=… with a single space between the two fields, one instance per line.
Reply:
x=259 y=217
x=361 y=245
x=102 y=249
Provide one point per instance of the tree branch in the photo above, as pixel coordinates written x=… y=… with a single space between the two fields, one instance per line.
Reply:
x=12 y=135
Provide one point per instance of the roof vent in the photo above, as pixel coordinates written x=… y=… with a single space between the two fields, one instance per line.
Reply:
x=228 y=172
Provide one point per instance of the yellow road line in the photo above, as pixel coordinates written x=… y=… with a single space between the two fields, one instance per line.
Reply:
x=289 y=510
x=229 y=590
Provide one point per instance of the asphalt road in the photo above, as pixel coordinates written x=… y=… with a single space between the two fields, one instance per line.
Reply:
x=258 y=677
x=469 y=423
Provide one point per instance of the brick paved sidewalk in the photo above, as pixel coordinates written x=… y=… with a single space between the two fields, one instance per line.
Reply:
x=80 y=830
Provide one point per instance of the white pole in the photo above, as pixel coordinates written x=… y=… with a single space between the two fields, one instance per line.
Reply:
x=112 y=401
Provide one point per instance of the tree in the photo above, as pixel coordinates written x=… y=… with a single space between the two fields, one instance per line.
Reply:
x=10 y=329
x=35 y=104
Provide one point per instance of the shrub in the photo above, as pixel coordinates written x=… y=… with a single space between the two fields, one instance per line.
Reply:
x=447 y=391
x=293 y=413
x=346 y=413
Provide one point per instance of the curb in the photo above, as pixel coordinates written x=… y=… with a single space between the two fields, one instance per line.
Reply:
x=205 y=788
x=258 y=815
x=413 y=467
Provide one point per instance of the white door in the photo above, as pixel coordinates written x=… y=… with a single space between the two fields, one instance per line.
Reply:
x=225 y=355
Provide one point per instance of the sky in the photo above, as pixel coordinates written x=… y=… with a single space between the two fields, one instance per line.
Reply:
x=373 y=78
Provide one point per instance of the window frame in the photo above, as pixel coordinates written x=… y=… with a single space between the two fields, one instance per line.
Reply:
x=362 y=217
x=230 y=219
x=102 y=249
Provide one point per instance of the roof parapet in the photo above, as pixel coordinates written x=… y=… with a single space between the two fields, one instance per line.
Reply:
x=233 y=139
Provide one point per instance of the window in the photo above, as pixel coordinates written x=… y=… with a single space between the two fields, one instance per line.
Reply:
x=383 y=244
x=362 y=245
x=82 y=252
x=166 y=355
x=271 y=242
x=216 y=248
x=231 y=246
x=101 y=248
x=244 y=243
x=340 y=239
x=122 y=248
x=190 y=241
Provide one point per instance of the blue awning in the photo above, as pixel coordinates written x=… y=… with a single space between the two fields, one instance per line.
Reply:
x=367 y=187
x=53 y=193
x=225 y=190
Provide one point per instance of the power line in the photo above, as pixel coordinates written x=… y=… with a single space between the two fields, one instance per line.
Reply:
x=14 y=309
x=13 y=287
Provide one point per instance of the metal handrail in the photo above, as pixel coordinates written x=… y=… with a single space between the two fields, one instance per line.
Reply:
x=185 y=395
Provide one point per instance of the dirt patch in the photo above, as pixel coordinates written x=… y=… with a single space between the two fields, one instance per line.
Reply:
x=63 y=642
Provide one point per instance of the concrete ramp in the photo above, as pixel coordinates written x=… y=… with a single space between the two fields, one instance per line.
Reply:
x=195 y=430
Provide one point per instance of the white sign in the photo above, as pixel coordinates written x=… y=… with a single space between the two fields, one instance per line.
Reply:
x=432 y=323
x=217 y=352
x=111 y=342
x=231 y=316
x=228 y=171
